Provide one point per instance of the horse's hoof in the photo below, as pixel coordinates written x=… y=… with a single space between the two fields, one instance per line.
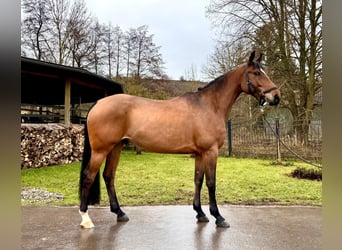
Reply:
x=222 y=223
x=123 y=218
x=86 y=221
x=87 y=224
x=202 y=219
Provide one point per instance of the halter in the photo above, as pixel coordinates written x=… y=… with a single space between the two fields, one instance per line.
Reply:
x=251 y=85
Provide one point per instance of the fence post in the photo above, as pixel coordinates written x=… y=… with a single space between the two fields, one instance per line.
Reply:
x=229 y=133
x=277 y=130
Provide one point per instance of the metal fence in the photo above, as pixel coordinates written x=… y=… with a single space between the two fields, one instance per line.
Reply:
x=260 y=140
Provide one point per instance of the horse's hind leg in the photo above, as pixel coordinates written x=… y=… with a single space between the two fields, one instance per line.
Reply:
x=88 y=176
x=109 y=178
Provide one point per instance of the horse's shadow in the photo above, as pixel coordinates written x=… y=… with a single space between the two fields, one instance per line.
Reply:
x=90 y=238
x=205 y=237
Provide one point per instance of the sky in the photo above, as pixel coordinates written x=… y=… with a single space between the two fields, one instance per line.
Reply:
x=179 y=27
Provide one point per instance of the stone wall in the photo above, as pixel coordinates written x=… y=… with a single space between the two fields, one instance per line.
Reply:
x=50 y=144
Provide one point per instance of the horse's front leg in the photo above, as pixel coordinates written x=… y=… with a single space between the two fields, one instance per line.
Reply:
x=210 y=176
x=198 y=179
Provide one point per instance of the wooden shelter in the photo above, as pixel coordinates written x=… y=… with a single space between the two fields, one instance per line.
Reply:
x=47 y=87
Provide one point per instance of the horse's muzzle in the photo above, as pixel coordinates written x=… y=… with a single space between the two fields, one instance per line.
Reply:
x=275 y=101
x=272 y=101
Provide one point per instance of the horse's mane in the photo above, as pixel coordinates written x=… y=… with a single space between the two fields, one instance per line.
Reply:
x=256 y=64
x=217 y=79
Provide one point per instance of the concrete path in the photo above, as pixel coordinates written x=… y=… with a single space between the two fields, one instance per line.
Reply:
x=173 y=227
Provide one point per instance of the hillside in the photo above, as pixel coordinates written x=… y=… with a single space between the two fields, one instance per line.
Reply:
x=159 y=88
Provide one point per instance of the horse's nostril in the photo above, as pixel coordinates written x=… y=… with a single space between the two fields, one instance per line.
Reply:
x=276 y=99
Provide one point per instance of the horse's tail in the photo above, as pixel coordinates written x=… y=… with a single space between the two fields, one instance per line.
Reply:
x=94 y=193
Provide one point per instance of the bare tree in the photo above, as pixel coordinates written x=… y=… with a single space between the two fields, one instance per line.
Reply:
x=56 y=30
x=113 y=40
x=225 y=57
x=34 y=25
x=63 y=32
x=98 y=58
x=141 y=55
x=290 y=35
x=128 y=48
x=59 y=31
x=109 y=43
x=118 y=41
x=78 y=41
x=153 y=62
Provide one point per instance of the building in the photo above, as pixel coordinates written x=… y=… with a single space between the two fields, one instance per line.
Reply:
x=57 y=93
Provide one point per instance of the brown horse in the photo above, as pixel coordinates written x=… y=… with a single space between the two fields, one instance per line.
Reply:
x=193 y=123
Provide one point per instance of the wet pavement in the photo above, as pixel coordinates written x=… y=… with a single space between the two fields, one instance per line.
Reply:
x=173 y=227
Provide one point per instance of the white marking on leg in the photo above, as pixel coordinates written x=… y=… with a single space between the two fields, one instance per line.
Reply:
x=86 y=221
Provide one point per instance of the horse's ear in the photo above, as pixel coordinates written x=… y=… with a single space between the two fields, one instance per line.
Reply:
x=251 y=58
x=259 y=58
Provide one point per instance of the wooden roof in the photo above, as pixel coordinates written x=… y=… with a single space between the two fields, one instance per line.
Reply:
x=43 y=83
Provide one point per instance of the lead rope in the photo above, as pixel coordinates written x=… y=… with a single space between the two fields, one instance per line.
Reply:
x=278 y=137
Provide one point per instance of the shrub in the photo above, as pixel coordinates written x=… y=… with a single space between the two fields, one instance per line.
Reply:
x=305 y=173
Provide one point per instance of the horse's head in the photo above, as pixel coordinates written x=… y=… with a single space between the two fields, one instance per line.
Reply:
x=258 y=84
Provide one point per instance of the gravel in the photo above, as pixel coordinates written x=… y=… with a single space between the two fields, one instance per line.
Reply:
x=35 y=195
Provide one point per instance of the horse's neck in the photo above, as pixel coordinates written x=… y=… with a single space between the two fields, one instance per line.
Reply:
x=224 y=94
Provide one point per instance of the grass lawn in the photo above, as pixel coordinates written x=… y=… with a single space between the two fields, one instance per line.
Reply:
x=155 y=179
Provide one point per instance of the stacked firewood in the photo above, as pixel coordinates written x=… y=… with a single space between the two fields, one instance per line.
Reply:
x=50 y=144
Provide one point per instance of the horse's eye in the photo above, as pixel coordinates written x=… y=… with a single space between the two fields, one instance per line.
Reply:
x=257 y=73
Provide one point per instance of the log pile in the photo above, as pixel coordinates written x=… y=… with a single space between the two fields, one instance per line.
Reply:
x=50 y=144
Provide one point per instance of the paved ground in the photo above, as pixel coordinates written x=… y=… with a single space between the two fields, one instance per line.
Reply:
x=173 y=227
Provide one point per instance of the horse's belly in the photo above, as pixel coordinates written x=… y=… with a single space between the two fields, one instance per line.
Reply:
x=177 y=137
x=163 y=140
